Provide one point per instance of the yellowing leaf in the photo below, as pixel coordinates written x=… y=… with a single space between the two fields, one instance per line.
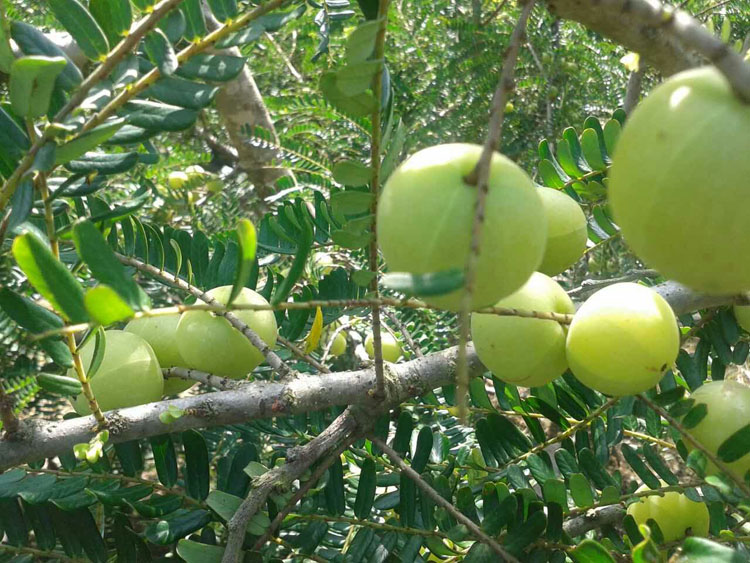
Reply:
x=313 y=339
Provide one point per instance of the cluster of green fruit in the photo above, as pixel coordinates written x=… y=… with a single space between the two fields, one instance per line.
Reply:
x=622 y=339
x=130 y=372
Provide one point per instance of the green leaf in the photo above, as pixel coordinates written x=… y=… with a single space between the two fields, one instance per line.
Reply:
x=103 y=163
x=50 y=277
x=34 y=42
x=177 y=525
x=113 y=16
x=635 y=462
x=351 y=173
x=246 y=257
x=164 y=459
x=211 y=68
x=736 y=446
x=105 y=267
x=82 y=26
x=590 y=551
x=355 y=79
x=529 y=532
x=225 y=505
x=36 y=319
x=59 y=384
x=361 y=42
x=702 y=550
x=592 y=149
x=437 y=283
x=183 y=93
x=160 y=51
x=365 y=490
x=195 y=552
x=223 y=9
x=695 y=415
x=580 y=490
x=100 y=346
x=404 y=429
x=197 y=478
x=159 y=117
x=195 y=22
x=335 y=492
x=106 y=306
x=32 y=80
x=361 y=105
x=89 y=140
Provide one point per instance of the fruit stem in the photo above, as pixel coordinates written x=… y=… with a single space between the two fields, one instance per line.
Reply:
x=49 y=219
x=479 y=177
x=377 y=90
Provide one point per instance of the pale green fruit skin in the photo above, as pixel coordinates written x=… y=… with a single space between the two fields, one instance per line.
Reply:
x=673 y=512
x=622 y=339
x=742 y=314
x=161 y=334
x=566 y=232
x=678 y=186
x=339 y=345
x=728 y=405
x=391 y=346
x=129 y=374
x=209 y=343
x=525 y=352
x=425 y=216
x=177 y=180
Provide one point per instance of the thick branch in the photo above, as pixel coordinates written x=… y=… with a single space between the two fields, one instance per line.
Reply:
x=258 y=399
x=263 y=399
x=667 y=39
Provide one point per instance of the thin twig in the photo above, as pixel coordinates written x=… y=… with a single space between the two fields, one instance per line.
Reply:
x=301 y=355
x=439 y=500
x=404 y=332
x=276 y=363
x=494 y=13
x=479 y=177
x=723 y=467
x=294 y=72
x=372 y=251
x=302 y=491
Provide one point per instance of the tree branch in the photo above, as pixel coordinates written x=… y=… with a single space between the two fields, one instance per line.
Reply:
x=250 y=401
x=666 y=38
x=215 y=381
x=265 y=399
x=298 y=461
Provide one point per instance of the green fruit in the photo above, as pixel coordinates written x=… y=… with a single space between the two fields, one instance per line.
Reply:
x=391 y=346
x=509 y=107
x=742 y=314
x=674 y=512
x=129 y=374
x=679 y=182
x=728 y=405
x=522 y=351
x=177 y=180
x=209 y=343
x=425 y=218
x=161 y=334
x=566 y=231
x=623 y=339
x=338 y=346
